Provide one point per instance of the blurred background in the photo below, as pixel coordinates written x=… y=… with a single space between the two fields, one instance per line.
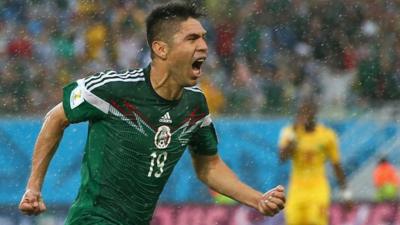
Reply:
x=264 y=56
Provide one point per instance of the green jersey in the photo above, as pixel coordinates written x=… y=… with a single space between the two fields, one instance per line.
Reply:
x=135 y=139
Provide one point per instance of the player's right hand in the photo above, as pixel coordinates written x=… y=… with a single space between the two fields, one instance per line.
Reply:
x=32 y=203
x=292 y=144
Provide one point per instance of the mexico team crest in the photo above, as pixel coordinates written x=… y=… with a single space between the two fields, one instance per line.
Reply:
x=162 y=137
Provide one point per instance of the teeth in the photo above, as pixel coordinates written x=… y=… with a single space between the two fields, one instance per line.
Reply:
x=200 y=60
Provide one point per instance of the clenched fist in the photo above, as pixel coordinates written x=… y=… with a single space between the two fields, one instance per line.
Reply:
x=32 y=203
x=273 y=201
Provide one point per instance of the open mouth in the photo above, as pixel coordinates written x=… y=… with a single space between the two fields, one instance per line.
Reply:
x=196 y=65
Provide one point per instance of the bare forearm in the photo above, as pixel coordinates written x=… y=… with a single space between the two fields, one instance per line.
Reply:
x=341 y=178
x=220 y=178
x=45 y=147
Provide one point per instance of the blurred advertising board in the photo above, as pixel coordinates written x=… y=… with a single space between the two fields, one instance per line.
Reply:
x=206 y=214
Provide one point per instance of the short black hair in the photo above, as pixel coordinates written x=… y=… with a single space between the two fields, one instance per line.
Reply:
x=160 y=22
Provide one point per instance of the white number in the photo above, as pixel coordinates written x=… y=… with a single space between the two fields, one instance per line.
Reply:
x=160 y=163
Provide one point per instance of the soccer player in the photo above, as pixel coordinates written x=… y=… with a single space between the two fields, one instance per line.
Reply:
x=140 y=122
x=309 y=145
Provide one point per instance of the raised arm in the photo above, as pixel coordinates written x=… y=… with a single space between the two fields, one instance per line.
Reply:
x=287 y=143
x=218 y=176
x=46 y=144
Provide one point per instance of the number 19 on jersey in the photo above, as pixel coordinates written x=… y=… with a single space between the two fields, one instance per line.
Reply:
x=157 y=163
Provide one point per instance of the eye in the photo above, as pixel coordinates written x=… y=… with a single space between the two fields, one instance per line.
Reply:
x=192 y=37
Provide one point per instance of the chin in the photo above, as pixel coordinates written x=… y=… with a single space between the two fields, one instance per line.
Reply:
x=191 y=84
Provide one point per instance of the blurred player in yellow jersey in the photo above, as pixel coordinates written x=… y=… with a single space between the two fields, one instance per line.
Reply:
x=309 y=145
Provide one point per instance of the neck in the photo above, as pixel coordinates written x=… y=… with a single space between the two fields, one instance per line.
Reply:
x=163 y=83
x=307 y=126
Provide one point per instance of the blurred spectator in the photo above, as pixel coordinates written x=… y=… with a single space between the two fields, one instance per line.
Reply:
x=20 y=46
x=214 y=96
x=273 y=88
x=386 y=181
x=335 y=88
x=244 y=85
x=3 y=38
x=14 y=10
x=85 y=7
x=44 y=49
x=14 y=82
x=95 y=37
x=225 y=35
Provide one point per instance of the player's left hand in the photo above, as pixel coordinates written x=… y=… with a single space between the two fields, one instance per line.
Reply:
x=346 y=198
x=273 y=201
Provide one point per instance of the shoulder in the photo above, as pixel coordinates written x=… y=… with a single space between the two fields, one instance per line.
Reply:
x=287 y=127
x=195 y=93
x=197 y=97
x=110 y=83
x=112 y=78
x=287 y=132
x=327 y=131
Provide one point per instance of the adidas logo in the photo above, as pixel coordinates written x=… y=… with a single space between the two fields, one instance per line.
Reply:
x=166 y=118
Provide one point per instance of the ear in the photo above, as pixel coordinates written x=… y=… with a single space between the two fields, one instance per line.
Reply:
x=160 y=49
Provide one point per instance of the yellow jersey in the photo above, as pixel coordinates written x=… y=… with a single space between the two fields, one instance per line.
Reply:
x=313 y=149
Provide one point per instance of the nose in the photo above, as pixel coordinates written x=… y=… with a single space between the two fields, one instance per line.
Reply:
x=202 y=45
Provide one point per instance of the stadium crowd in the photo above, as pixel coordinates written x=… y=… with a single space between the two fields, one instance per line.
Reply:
x=264 y=55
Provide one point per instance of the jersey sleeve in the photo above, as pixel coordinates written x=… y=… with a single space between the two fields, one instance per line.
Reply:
x=286 y=135
x=80 y=104
x=333 y=147
x=204 y=141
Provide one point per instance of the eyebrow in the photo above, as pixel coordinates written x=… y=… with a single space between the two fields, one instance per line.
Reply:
x=196 y=35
